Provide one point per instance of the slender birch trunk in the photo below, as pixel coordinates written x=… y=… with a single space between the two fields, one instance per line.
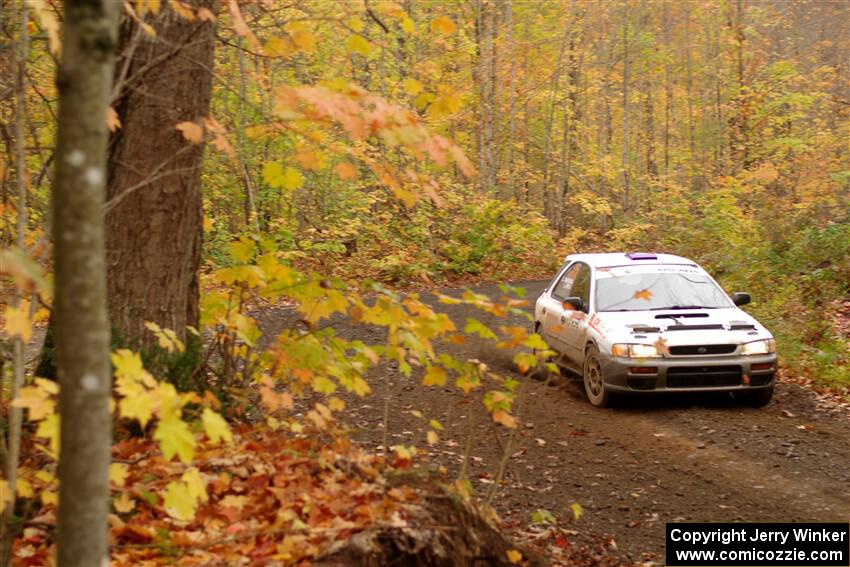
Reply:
x=84 y=81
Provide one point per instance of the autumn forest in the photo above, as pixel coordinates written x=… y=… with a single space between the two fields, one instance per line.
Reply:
x=270 y=268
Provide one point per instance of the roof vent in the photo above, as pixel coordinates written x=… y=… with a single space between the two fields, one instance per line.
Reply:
x=641 y=256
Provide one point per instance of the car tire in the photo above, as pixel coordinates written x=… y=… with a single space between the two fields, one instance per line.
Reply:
x=594 y=384
x=755 y=398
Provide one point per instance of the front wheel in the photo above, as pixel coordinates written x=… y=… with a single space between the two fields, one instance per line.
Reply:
x=755 y=398
x=594 y=385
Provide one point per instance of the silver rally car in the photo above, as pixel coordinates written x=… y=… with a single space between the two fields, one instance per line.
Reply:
x=645 y=322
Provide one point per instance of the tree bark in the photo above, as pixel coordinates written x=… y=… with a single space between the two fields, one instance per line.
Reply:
x=485 y=79
x=545 y=192
x=82 y=327
x=154 y=215
x=625 y=158
x=690 y=86
x=508 y=191
x=668 y=86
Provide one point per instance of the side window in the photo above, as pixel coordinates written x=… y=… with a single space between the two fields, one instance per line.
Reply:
x=562 y=289
x=581 y=286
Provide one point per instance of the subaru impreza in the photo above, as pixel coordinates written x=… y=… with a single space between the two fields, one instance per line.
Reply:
x=643 y=323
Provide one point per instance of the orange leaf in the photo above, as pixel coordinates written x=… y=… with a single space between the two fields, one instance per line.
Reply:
x=345 y=170
x=240 y=25
x=443 y=25
x=193 y=132
x=206 y=15
x=643 y=294
x=503 y=417
x=112 y=120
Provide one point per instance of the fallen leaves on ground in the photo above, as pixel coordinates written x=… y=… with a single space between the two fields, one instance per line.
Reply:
x=267 y=497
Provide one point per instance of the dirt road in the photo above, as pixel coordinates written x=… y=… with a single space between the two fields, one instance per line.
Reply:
x=634 y=467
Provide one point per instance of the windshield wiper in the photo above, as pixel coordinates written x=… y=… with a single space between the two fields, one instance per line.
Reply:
x=672 y=307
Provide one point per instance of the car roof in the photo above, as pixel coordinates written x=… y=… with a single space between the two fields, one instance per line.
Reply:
x=611 y=259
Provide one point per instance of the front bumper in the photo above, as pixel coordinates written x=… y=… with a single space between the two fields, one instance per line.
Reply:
x=689 y=373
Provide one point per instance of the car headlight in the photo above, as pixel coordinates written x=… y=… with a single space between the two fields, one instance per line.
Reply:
x=635 y=351
x=764 y=346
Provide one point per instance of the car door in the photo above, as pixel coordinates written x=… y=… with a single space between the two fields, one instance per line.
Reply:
x=575 y=328
x=555 y=319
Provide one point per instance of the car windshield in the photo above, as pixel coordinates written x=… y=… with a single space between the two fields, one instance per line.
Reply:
x=656 y=290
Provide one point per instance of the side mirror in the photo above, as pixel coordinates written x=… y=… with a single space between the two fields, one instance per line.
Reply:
x=741 y=298
x=575 y=304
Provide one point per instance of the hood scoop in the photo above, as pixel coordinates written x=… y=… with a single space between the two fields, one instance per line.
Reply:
x=680 y=315
x=640 y=328
x=741 y=326
x=694 y=327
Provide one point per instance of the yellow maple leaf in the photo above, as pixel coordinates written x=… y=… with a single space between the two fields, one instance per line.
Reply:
x=215 y=427
x=37 y=400
x=304 y=40
x=124 y=504
x=514 y=556
x=24 y=488
x=175 y=438
x=356 y=24
x=196 y=486
x=179 y=504
x=182 y=497
x=435 y=376
x=118 y=473
x=48 y=428
x=412 y=86
x=358 y=44
x=145 y=6
x=138 y=406
x=128 y=364
x=432 y=437
x=444 y=25
x=49 y=497
x=405 y=453
x=18 y=323
x=279 y=47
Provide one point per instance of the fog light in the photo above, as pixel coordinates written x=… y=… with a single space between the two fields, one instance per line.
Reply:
x=643 y=370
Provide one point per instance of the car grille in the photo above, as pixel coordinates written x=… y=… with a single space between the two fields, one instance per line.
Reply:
x=686 y=350
x=703 y=376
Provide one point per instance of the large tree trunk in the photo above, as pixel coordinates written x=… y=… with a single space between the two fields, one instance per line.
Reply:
x=154 y=215
x=81 y=323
